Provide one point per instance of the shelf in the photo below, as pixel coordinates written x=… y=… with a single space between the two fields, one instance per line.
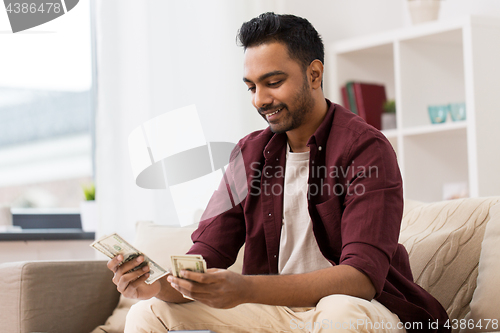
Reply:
x=434 y=128
x=47 y=234
x=432 y=160
x=374 y=65
x=434 y=63
x=438 y=78
x=375 y=41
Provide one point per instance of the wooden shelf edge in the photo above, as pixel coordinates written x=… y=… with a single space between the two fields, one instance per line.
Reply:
x=390 y=133
x=386 y=38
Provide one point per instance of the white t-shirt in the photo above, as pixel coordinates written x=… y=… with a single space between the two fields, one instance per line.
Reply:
x=299 y=251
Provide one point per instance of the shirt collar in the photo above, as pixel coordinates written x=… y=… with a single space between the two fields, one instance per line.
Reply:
x=320 y=137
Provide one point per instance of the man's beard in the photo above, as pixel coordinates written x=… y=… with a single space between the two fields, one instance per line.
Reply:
x=302 y=106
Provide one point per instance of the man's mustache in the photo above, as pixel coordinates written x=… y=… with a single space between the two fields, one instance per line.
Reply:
x=271 y=107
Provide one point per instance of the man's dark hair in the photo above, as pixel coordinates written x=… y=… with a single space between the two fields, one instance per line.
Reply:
x=303 y=42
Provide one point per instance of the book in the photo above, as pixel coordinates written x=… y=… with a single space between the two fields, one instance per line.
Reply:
x=345 y=98
x=351 y=97
x=370 y=99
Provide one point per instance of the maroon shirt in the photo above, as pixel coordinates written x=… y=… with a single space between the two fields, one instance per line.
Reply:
x=355 y=201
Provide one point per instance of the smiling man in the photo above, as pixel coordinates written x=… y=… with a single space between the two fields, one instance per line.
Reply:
x=320 y=222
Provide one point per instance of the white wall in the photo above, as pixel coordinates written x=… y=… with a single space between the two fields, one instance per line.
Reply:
x=340 y=19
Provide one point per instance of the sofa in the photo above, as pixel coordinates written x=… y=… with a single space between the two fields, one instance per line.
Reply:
x=453 y=247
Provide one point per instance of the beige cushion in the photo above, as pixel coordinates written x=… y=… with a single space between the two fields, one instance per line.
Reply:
x=443 y=240
x=158 y=242
x=485 y=304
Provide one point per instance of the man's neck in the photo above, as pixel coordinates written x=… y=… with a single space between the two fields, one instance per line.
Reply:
x=298 y=138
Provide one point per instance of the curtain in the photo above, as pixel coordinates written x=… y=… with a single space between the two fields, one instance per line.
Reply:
x=153 y=57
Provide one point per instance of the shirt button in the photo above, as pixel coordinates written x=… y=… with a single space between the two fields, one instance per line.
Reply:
x=319 y=148
x=274 y=256
x=269 y=214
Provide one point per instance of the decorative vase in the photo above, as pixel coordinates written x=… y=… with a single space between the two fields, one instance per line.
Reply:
x=423 y=10
x=388 y=121
x=89 y=215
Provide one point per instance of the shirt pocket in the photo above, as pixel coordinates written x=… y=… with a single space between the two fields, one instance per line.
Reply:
x=330 y=213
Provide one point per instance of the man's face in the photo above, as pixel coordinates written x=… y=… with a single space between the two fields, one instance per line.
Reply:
x=279 y=87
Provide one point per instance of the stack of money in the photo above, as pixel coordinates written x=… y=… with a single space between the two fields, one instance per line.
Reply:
x=190 y=262
x=114 y=245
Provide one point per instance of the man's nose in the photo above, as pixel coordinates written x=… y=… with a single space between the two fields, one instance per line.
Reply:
x=262 y=98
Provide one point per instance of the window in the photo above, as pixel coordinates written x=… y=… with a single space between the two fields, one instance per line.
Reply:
x=47 y=100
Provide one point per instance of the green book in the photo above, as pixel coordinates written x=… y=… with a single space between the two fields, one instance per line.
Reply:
x=351 y=96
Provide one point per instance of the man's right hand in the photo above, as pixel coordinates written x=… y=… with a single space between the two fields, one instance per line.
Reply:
x=131 y=284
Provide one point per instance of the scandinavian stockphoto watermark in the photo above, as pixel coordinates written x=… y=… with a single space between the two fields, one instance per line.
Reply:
x=25 y=15
x=170 y=152
x=341 y=179
x=358 y=325
x=365 y=324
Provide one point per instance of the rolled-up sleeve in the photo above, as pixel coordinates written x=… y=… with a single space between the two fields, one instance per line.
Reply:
x=373 y=207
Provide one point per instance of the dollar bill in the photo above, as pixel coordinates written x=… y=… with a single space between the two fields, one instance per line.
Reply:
x=190 y=262
x=113 y=245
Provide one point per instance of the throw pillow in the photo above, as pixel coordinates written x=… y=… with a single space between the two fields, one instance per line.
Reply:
x=484 y=312
x=443 y=241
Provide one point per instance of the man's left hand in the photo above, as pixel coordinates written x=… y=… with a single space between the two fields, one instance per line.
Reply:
x=218 y=288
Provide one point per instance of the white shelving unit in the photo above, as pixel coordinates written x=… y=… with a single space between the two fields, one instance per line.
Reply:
x=432 y=64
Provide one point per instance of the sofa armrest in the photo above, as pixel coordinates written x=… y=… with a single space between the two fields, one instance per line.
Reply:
x=55 y=296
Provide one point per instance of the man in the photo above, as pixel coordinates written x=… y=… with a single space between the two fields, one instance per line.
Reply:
x=321 y=244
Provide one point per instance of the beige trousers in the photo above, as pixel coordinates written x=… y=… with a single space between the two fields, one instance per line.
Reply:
x=335 y=313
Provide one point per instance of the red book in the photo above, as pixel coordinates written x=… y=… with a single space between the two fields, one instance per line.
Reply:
x=370 y=99
x=345 y=98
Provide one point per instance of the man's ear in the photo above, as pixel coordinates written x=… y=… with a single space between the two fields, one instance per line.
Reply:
x=316 y=74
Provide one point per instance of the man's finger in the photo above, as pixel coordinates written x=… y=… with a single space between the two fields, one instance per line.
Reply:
x=188 y=290
x=198 y=277
x=114 y=263
x=128 y=278
x=186 y=287
x=137 y=282
x=129 y=265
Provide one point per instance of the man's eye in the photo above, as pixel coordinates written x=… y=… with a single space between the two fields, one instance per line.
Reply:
x=251 y=88
x=274 y=83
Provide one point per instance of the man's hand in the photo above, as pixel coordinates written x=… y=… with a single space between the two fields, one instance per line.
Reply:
x=132 y=284
x=217 y=288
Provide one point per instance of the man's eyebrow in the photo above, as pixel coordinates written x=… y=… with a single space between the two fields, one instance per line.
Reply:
x=265 y=76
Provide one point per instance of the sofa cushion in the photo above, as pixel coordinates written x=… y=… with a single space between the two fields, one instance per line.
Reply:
x=55 y=296
x=443 y=241
x=485 y=303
